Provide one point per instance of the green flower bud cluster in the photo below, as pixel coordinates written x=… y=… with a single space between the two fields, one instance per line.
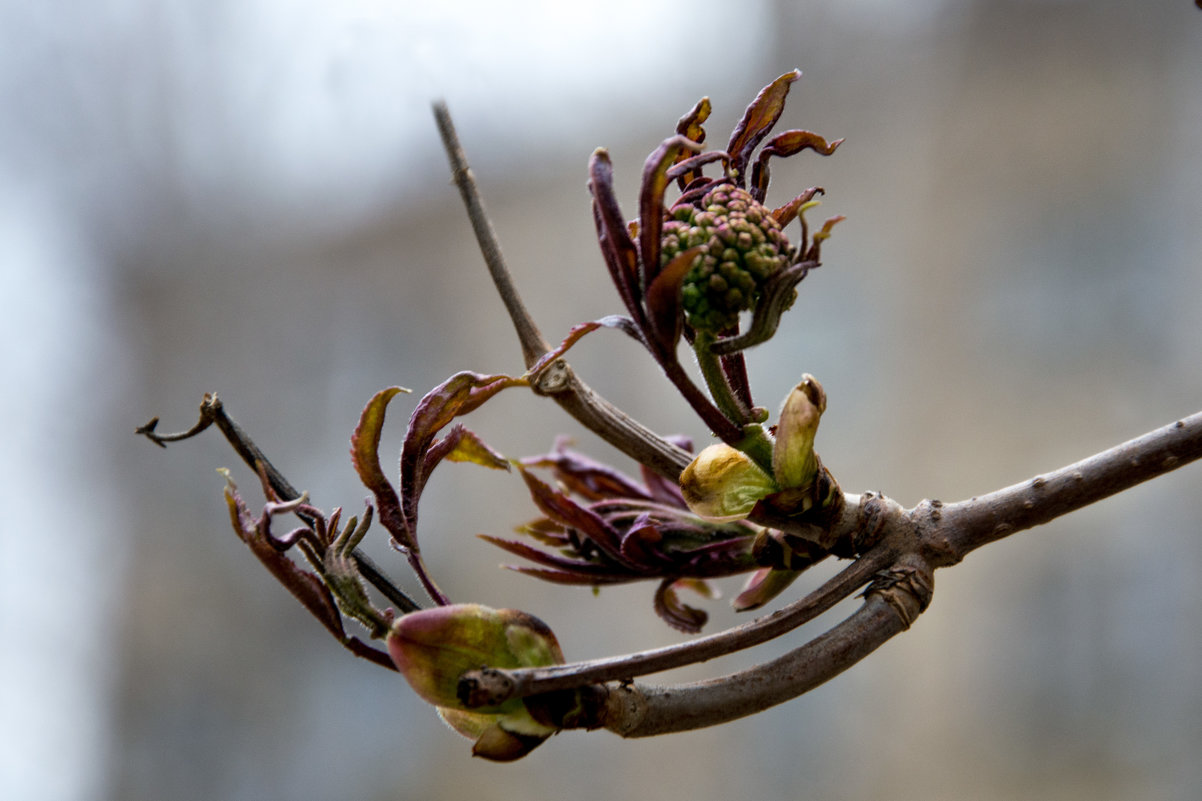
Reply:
x=744 y=245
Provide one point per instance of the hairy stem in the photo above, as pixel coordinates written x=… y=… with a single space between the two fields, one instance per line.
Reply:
x=620 y=430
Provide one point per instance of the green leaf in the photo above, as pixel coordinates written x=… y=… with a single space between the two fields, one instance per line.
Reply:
x=434 y=647
x=463 y=445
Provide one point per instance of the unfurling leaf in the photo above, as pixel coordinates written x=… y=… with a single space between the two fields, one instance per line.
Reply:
x=758 y=120
x=462 y=445
x=675 y=612
x=690 y=127
x=365 y=456
x=789 y=143
x=305 y=586
x=651 y=201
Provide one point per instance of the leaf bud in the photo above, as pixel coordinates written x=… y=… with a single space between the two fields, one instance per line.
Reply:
x=432 y=648
x=724 y=484
x=793 y=461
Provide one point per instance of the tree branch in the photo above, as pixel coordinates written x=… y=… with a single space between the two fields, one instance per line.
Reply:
x=928 y=536
x=967 y=525
x=898 y=550
x=903 y=547
x=683 y=707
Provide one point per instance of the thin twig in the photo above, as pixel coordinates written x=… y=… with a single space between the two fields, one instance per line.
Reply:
x=684 y=707
x=534 y=345
x=212 y=412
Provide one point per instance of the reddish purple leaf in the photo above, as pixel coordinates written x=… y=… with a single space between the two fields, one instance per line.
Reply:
x=664 y=299
x=460 y=394
x=786 y=144
x=564 y=510
x=662 y=490
x=306 y=587
x=587 y=477
x=757 y=121
x=684 y=170
x=365 y=446
x=788 y=212
x=651 y=202
x=690 y=127
x=576 y=333
x=617 y=247
x=564 y=577
x=676 y=614
x=592 y=569
x=639 y=545
x=545 y=531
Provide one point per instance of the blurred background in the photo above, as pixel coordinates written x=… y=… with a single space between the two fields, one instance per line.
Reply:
x=250 y=198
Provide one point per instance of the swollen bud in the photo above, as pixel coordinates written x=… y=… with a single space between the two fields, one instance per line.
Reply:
x=793 y=461
x=723 y=484
x=434 y=647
